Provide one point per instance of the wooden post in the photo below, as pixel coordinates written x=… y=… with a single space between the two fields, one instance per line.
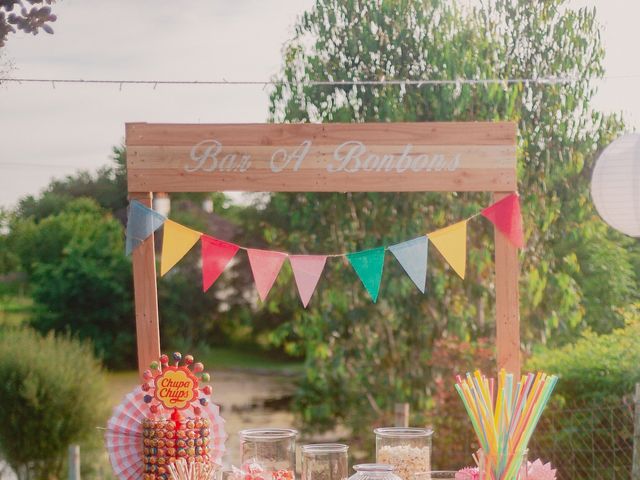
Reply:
x=507 y=300
x=635 y=468
x=401 y=415
x=74 y=462
x=146 y=295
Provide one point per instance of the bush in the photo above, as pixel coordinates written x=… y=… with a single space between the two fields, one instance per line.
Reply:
x=592 y=412
x=52 y=394
x=596 y=368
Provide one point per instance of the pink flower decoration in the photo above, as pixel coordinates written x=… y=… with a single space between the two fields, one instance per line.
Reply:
x=468 y=473
x=541 y=471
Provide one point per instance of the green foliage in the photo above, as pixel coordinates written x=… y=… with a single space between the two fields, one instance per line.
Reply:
x=594 y=395
x=52 y=393
x=80 y=279
x=361 y=358
x=596 y=368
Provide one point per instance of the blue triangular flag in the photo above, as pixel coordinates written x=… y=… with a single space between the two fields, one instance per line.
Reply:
x=141 y=223
x=412 y=255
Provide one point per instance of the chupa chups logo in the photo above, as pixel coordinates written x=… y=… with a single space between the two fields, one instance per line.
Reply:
x=176 y=387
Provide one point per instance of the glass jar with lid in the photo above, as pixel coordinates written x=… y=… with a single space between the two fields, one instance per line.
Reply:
x=407 y=449
x=374 y=471
x=268 y=453
x=325 y=461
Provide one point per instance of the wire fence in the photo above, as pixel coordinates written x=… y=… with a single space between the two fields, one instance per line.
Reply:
x=594 y=442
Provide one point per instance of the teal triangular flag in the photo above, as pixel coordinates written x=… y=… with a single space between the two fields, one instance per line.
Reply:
x=412 y=255
x=368 y=265
x=141 y=223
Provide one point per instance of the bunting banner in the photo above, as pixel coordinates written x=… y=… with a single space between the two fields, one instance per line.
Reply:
x=216 y=255
x=306 y=271
x=368 y=265
x=177 y=240
x=505 y=215
x=450 y=241
x=412 y=255
x=265 y=266
x=141 y=223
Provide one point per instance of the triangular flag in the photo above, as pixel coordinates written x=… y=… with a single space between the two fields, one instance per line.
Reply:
x=451 y=242
x=141 y=222
x=265 y=266
x=412 y=255
x=505 y=215
x=177 y=240
x=368 y=265
x=307 y=270
x=216 y=255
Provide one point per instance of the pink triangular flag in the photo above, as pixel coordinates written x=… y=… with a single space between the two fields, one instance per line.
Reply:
x=265 y=266
x=505 y=215
x=307 y=270
x=216 y=255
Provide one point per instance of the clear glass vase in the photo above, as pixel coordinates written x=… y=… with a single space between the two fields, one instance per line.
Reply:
x=374 y=471
x=506 y=466
x=268 y=453
x=325 y=461
x=407 y=449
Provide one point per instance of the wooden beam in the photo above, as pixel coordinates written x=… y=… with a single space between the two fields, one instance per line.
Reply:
x=146 y=295
x=507 y=300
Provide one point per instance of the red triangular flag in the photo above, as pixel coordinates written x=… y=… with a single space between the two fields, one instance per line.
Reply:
x=216 y=255
x=307 y=270
x=265 y=266
x=505 y=215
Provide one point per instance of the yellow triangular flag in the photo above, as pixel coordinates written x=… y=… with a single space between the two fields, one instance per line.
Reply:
x=177 y=240
x=451 y=242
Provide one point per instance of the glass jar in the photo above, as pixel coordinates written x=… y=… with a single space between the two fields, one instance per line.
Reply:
x=374 y=471
x=268 y=453
x=510 y=466
x=407 y=449
x=325 y=461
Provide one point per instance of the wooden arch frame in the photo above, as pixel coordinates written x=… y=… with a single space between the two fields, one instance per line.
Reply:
x=334 y=157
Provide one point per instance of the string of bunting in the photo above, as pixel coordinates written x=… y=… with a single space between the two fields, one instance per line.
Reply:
x=450 y=241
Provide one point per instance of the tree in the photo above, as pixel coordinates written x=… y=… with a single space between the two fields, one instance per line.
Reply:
x=52 y=393
x=80 y=279
x=361 y=357
x=15 y=14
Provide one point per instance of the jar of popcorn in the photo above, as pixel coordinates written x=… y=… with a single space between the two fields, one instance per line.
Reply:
x=268 y=453
x=407 y=449
x=325 y=461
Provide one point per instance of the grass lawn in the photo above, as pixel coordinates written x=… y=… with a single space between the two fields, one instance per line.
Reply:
x=14 y=309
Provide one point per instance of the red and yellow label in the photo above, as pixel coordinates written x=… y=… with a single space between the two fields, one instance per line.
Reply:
x=176 y=387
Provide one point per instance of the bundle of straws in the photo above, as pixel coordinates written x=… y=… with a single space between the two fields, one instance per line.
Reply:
x=504 y=416
x=181 y=470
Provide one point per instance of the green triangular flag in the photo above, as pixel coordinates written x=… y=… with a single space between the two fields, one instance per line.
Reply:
x=368 y=265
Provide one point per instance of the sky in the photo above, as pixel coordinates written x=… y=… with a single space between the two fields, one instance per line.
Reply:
x=48 y=132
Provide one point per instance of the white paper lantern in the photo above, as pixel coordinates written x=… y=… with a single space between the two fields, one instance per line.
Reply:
x=615 y=185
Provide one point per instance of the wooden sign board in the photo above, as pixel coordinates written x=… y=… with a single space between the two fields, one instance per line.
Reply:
x=334 y=157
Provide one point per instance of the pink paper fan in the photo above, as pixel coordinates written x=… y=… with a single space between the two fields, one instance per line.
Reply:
x=123 y=437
